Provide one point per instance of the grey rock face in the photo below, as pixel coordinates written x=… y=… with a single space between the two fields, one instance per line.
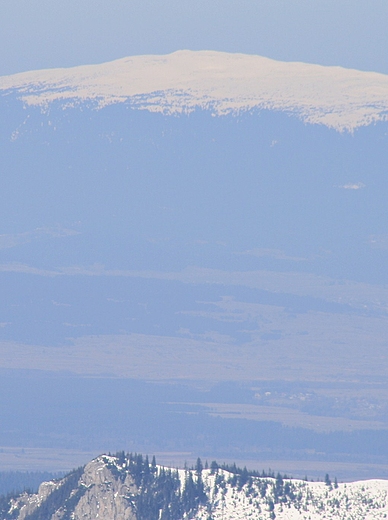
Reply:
x=27 y=504
x=106 y=496
x=96 y=493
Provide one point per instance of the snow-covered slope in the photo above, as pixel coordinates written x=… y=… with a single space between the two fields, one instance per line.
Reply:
x=185 y=80
x=129 y=487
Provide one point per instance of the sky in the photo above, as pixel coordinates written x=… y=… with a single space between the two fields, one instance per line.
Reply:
x=62 y=33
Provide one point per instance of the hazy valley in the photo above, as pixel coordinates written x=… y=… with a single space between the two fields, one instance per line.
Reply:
x=191 y=274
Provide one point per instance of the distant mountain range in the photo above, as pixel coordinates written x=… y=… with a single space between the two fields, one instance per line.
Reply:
x=216 y=221
x=224 y=83
x=130 y=487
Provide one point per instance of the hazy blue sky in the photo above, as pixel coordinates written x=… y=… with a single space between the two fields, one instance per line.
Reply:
x=53 y=33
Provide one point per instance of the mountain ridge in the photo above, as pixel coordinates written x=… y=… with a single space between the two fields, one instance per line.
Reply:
x=130 y=487
x=343 y=99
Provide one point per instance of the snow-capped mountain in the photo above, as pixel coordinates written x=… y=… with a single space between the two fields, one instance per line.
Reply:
x=130 y=487
x=186 y=80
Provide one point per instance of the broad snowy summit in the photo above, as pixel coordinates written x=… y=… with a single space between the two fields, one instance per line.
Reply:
x=184 y=81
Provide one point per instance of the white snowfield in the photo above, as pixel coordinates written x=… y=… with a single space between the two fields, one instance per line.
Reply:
x=183 y=81
x=303 y=500
x=365 y=500
x=257 y=500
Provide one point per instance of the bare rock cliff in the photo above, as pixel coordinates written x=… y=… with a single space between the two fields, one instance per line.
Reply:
x=106 y=496
x=96 y=491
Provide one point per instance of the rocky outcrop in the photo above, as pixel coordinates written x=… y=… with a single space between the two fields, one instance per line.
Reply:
x=26 y=504
x=95 y=491
x=105 y=496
